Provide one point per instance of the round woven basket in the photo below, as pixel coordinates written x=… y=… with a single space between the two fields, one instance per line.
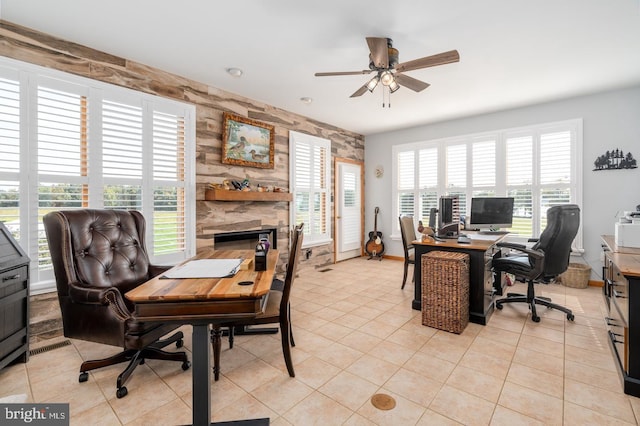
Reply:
x=576 y=276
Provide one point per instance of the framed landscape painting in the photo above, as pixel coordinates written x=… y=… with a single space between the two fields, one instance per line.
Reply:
x=247 y=142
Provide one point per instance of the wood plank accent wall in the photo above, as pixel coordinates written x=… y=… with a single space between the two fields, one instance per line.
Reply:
x=31 y=46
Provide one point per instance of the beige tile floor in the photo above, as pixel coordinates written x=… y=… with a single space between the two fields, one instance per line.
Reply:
x=356 y=335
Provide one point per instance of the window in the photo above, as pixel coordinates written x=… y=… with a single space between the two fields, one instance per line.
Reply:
x=310 y=179
x=538 y=166
x=88 y=144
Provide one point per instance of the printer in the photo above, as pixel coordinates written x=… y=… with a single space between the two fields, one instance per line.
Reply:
x=627 y=233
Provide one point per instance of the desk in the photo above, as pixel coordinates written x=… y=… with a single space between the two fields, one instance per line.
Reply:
x=200 y=301
x=482 y=284
x=621 y=291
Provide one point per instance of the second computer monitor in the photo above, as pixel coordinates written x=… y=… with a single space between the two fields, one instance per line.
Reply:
x=491 y=213
x=449 y=217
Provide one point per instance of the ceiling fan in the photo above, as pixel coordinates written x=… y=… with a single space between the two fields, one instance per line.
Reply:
x=383 y=60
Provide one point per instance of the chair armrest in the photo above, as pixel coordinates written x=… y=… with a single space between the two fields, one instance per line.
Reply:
x=110 y=297
x=514 y=246
x=536 y=254
x=90 y=295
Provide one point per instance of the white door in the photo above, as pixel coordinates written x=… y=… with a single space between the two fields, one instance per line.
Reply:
x=349 y=226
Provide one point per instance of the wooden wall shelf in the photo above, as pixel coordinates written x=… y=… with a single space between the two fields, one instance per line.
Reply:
x=227 y=195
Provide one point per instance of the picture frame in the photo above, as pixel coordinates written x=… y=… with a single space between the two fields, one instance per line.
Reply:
x=247 y=142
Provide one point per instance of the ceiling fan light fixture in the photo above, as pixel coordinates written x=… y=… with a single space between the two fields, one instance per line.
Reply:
x=386 y=77
x=371 y=85
x=393 y=86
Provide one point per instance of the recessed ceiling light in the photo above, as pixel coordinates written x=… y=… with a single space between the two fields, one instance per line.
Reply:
x=234 y=72
x=306 y=100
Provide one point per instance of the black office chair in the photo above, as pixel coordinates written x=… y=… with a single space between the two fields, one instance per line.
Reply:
x=408 y=232
x=548 y=258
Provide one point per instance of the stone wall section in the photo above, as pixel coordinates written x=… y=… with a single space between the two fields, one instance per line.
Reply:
x=31 y=46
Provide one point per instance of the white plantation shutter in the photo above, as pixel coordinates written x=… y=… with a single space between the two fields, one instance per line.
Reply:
x=537 y=166
x=61 y=160
x=406 y=184
x=122 y=155
x=10 y=148
x=457 y=174
x=87 y=148
x=484 y=164
x=456 y=166
x=555 y=172
x=169 y=183
x=310 y=178
x=428 y=182
x=555 y=158
x=519 y=180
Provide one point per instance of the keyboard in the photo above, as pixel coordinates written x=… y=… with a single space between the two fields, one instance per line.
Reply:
x=493 y=232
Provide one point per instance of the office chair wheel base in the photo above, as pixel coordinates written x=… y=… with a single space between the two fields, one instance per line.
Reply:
x=499 y=306
x=179 y=343
x=535 y=319
x=122 y=392
x=570 y=317
x=84 y=376
x=186 y=365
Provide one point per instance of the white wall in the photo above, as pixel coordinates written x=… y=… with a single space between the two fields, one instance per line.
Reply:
x=611 y=120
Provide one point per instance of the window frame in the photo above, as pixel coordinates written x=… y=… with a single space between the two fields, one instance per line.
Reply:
x=311 y=237
x=574 y=126
x=30 y=78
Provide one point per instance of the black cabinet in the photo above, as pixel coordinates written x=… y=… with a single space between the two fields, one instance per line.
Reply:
x=14 y=300
x=622 y=297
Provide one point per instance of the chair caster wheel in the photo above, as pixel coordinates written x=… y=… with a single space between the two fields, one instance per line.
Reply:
x=535 y=319
x=84 y=376
x=570 y=317
x=499 y=307
x=122 y=392
x=179 y=343
x=186 y=365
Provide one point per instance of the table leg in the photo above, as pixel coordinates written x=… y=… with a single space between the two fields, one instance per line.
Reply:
x=201 y=373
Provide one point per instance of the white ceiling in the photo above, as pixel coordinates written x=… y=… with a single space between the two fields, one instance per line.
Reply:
x=512 y=52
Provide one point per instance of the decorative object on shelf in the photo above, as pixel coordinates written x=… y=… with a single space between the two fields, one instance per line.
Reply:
x=378 y=171
x=615 y=160
x=247 y=142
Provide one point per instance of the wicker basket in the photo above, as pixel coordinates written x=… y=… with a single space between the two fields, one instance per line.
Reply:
x=445 y=290
x=576 y=276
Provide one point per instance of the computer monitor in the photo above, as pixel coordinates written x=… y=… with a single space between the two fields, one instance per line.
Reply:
x=491 y=213
x=448 y=217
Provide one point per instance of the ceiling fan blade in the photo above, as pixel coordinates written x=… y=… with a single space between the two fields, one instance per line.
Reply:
x=429 y=61
x=411 y=83
x=326 y=74
x=379 y=51
x=359 y=92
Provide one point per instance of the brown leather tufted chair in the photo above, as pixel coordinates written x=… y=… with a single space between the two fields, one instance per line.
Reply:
x=97 y=256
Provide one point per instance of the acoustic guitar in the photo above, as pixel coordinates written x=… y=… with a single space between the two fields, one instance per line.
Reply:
x=375 y=246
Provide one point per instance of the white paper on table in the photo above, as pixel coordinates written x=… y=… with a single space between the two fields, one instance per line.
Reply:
x=205 y=268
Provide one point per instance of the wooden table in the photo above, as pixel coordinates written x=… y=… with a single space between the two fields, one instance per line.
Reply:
x=482 y=285
x=199 y=302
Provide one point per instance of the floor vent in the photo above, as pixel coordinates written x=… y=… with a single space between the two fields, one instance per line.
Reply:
x=325 y=270
x=50 y=347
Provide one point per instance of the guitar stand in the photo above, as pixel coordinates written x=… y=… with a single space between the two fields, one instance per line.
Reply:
x=376 y=256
